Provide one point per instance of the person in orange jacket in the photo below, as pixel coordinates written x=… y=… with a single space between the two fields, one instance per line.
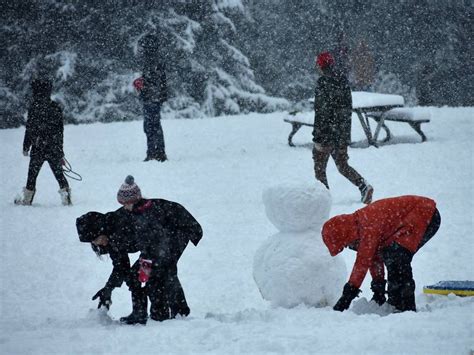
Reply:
x=388 y=231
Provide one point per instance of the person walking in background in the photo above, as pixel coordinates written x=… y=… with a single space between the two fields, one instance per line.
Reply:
x=44 y=141
x=388 y=231
x=160 y=230
x=332 y=125
x=363 y=67
x=153 y=91
x=424 y=84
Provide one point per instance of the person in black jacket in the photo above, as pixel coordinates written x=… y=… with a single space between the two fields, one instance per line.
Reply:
x=332 y=125
x=44 y=136
x=153 y=91
x=160 y=230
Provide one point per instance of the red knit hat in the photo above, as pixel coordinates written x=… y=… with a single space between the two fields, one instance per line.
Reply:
x=324 y=60
x=129 y=192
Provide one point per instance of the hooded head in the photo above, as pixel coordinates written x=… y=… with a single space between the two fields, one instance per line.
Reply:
x=90 y=226
x=339 y=232
x=41 y=88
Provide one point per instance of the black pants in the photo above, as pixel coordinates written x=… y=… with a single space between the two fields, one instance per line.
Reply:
x=163 y=288
x=397 y=259
x=36 y=162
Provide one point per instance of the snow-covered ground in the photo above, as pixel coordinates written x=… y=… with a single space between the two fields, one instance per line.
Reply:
x=218 y=169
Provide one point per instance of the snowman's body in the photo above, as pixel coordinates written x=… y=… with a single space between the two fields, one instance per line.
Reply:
x=294 y=266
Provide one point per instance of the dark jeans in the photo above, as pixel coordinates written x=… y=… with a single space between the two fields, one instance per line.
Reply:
x=153 y=130
x=163 y=288
x=36 y=162
x=397 y=259
x=341 y=158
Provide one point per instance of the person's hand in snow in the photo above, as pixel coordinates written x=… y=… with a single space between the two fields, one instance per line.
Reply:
x=348 y=294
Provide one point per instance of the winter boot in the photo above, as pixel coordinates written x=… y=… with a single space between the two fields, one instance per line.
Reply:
x=407 y=297
x=27 y=198
x=161 y=157
x=139 y=313
x=65 y=196
x=366 y=192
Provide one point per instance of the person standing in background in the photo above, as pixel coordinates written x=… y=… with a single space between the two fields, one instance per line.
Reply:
x=44 y=141
x=341 y=55
x=363 y=67
x=153 y=91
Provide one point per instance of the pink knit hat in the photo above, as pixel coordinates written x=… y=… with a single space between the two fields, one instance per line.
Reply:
x=129 y=192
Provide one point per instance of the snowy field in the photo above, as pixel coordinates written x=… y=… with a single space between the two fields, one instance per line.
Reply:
x=218 y=169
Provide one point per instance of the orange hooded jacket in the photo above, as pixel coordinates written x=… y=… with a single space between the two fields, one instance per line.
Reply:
x=401 y=219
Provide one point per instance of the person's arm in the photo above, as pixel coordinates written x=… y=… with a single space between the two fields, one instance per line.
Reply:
x=320 y=129
x=60 y=130
x=377 y=268
x=121 y=268
x=365 y=254
x=56 y=128
x=163 y=84
x=119 y=274
x=365 y=257
x=30 y=131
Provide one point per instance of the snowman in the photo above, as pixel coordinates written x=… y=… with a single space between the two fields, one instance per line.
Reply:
x=293 y=266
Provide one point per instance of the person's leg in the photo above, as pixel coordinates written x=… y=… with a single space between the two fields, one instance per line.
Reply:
x=165 y=291
x=148 y=129
x=154 y=131
x=139 y=313
x=159 y=136
x=341 y=158
x=174 y=291
x=56 y=168
x=36 y=161
x=401 y=285
x=431 y=229
x=320 y=159
x=64 y=190
x=175 y=294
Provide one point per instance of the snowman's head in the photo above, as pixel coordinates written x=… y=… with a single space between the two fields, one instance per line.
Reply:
x=297 y=207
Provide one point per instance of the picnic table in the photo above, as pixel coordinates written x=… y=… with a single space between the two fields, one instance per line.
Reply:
x=380 y=108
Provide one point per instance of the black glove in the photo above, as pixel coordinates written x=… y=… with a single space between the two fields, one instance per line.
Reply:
x=348 y=294
x=378 y=288
x=105 y=297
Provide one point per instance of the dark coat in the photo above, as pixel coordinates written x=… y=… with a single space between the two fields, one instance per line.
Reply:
x=332 y=111
x=44 y=127
x=158 y=229
x=159 y=219
x=155 y=87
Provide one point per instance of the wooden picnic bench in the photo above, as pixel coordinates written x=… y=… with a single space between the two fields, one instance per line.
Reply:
x=403 y=114
x=379 y=107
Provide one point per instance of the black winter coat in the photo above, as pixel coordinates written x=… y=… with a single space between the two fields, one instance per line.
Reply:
x=157 y=219
x=143 y=230
x=155 y=87
x=332 y=111
x=44 y=129
x=122 y=241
